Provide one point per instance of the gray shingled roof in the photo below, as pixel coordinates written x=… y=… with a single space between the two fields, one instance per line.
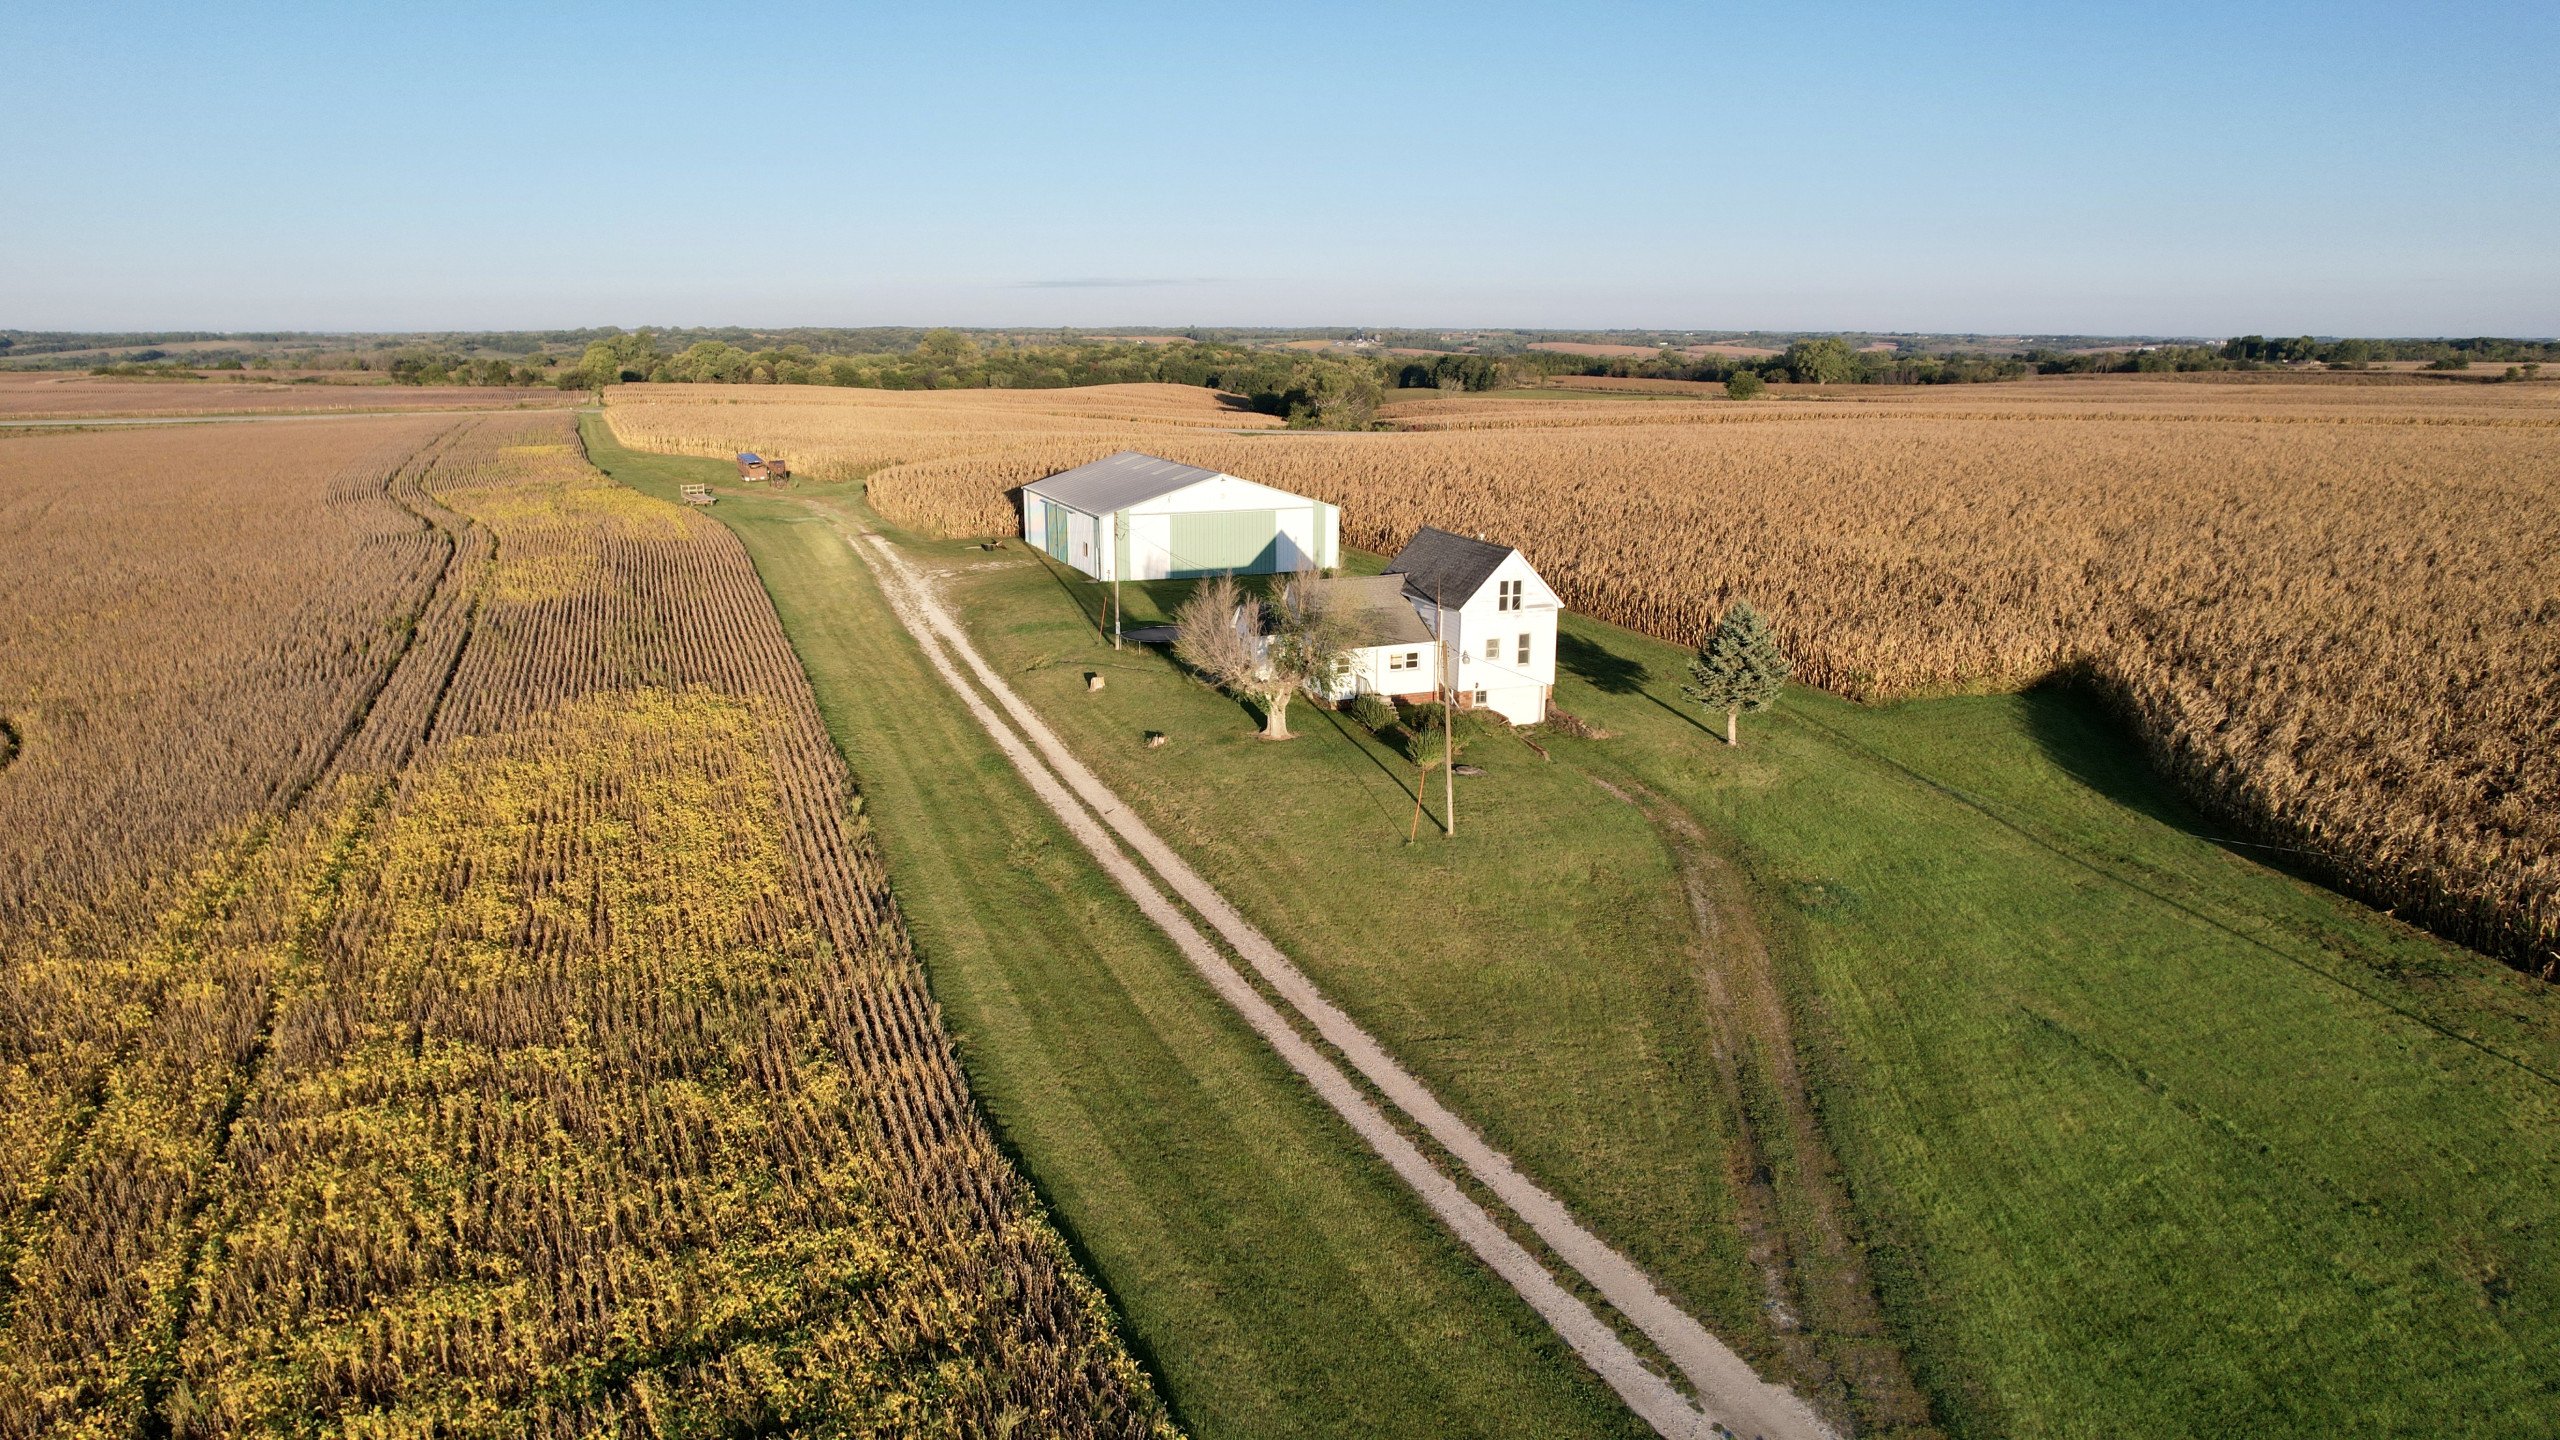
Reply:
x=1450 y=568
x=1376 y=608
x=1116 y=482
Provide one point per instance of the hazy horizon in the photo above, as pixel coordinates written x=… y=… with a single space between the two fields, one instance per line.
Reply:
x=2275 y=169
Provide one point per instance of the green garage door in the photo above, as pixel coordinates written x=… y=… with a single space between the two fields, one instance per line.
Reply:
x=1053 y=518
x=1244 y=541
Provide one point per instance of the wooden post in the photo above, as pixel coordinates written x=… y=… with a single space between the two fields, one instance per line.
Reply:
x=1448 y=724
x=1118 y=519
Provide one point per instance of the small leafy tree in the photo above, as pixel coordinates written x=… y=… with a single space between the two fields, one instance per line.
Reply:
x=1265 y=653
x=1738 y=667
x=1744 y=385
x=1827 y=361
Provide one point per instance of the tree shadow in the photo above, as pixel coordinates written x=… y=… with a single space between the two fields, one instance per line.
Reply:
x=1611 y=673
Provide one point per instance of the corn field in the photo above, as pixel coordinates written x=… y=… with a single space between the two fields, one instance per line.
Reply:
x=58 y=394
x=529 y=1045
x=2331 y=610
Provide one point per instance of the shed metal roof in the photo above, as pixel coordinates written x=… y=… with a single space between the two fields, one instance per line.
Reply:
x=1116 y=482
x=1376 y=609
x=1450 y=569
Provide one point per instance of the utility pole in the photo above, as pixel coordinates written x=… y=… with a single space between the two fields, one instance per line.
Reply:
x=1448 y=722
x=1119 y=519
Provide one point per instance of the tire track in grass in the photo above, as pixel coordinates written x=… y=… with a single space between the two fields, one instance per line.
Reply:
x=1737 y=1401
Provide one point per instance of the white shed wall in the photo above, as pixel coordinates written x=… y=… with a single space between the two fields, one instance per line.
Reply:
x=1368 y=673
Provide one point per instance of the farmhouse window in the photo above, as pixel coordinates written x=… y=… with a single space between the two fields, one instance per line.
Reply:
x=1493 y=647
x=1524 y=649
x=1409 y=660
x=1508 y=597
x=1479 y=696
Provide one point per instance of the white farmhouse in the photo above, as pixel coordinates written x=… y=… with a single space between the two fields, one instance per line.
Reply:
x=1140 y=517
x=1493 y=616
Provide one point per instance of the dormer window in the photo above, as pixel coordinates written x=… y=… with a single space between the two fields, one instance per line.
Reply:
x=1508 y=596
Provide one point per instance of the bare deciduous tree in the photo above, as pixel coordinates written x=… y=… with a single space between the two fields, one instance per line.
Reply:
x=1267 y=653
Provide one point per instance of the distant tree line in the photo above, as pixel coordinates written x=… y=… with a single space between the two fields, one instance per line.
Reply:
x=428 y=367
x=1328 y=391
x=2253 y=352
x=1823 y=360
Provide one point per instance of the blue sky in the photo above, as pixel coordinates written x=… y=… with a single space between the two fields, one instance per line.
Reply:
x=2124 y=168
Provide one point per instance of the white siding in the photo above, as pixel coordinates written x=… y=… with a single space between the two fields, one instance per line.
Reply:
x=1150 y=546
x=1297 y=538
x=1516 y=691
x=1369 y=674
x=1309 y=531
x=1084 y=542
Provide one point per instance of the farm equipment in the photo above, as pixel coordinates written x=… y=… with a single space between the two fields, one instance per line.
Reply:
x=752 y=466
x=698 y=495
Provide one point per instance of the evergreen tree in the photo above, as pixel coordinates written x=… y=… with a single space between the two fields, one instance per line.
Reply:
x=1738 y=667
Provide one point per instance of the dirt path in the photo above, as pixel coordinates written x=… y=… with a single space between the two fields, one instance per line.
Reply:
x=1736 y=1401
x=1797 y=1223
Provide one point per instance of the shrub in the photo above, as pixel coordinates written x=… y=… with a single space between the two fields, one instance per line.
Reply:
x=1371 y=711
x=1744 y=385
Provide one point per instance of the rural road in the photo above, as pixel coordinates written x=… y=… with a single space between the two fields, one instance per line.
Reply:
x=1736 y=1401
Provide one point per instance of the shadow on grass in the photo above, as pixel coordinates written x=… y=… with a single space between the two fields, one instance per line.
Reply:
x=1353 y=733
x=2083 y=739
x=1143 y=602
x=1611 y=673
x=1601 y=668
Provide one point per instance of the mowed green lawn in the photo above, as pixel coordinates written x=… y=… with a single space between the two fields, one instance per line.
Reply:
x=1537 y=970
x=2157 y=1141
x=1274 y=1276
x=2147 y=1138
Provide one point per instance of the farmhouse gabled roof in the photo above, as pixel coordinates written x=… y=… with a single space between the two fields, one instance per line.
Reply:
x=1445 y=568
x=1116 y=482
x=1375 y=609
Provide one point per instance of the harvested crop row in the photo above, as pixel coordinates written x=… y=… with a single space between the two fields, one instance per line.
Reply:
x=559 y=1066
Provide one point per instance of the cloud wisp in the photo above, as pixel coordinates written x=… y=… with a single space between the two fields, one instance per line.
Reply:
x=1107 y=282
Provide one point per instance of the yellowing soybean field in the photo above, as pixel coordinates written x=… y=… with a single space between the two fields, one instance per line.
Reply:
x=446 y=986
x=2331 y=609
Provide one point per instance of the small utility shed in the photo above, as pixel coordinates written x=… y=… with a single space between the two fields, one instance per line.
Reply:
x=1141 y=517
